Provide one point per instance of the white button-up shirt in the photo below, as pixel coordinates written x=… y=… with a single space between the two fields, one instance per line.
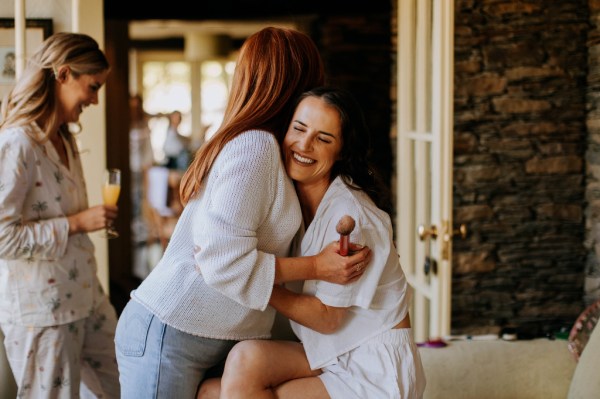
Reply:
x=46 y=277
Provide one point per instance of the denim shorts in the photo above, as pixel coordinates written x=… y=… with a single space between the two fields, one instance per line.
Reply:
x=159 y=361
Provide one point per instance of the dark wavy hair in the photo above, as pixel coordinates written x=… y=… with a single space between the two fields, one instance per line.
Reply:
x=355 y=166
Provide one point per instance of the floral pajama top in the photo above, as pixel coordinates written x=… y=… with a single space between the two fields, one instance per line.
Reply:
x=46 y=277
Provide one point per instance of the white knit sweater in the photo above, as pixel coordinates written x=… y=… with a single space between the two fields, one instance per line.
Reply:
x=216 y=276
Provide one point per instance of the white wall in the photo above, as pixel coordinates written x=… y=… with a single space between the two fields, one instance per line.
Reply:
x=88 y=16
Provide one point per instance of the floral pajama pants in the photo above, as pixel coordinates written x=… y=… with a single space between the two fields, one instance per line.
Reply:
x=65 y=361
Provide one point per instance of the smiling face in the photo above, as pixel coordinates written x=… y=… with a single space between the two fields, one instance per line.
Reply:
x=313 y=142
x=76 y=93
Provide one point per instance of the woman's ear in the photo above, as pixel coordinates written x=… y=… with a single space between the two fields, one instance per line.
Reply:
x=62 y=74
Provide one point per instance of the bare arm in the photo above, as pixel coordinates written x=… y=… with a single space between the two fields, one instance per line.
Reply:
x=328 y=265
x=307 y=310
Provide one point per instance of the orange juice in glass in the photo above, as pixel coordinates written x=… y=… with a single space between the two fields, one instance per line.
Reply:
x=111 y=188
x=110 y=193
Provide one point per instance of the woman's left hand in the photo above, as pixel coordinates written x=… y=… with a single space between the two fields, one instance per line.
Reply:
x=92 y=219
x=335 y=268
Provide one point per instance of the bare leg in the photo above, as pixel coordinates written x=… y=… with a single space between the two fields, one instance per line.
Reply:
x=255 y=367
x=210 y=389
x=302 y=388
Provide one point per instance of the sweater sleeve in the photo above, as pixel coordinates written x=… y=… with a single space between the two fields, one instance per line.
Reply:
x=43 y=239
x=240 y=192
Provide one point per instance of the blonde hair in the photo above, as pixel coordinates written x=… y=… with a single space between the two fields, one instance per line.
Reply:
x=274 y=67
x=32 y=98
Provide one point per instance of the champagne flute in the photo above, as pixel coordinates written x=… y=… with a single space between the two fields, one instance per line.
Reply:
x=111 y=188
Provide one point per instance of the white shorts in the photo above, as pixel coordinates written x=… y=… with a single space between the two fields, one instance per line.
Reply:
x=387 y=366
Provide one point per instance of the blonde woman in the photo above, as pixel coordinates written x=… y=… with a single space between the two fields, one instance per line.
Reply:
x=212 y=287
x=58 y=323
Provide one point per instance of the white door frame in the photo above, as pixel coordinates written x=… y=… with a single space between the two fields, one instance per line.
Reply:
x=424 y=158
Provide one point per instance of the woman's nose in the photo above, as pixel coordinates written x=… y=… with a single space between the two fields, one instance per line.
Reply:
x=306 y=142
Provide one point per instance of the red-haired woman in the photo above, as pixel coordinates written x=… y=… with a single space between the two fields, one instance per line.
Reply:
x=212 y=287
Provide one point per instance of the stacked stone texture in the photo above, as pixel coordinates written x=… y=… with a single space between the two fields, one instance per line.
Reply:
x=357 y=54
x=592 y=193
x=527 y=162
x=520 y=164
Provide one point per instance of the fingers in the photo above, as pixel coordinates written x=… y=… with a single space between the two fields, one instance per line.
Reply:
x=361 y=261
x=355 y=247
x=107 y=215
x=110 y=211
x=100 y=217
x=362 y=255
x=343 y=269
x=359 y=267
x=357 y=273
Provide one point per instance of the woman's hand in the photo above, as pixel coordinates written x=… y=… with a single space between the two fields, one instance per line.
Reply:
x=92 y=219
x=335 y=268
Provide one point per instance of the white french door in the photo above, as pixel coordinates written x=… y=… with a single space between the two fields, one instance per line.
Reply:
x=424 y=159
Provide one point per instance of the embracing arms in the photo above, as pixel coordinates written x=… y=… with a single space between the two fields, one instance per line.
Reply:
x=328 y=265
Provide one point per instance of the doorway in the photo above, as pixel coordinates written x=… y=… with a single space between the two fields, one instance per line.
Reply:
x=190 y=77
x=357 y=51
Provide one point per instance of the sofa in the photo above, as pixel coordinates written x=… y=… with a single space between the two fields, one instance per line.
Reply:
x=522 y=369
x=529 y=369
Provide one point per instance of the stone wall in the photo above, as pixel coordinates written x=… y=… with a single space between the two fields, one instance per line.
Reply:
x=519 y=167
x=357 y=55
x=592 y=194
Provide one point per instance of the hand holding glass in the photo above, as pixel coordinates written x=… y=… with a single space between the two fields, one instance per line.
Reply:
x=111 y=189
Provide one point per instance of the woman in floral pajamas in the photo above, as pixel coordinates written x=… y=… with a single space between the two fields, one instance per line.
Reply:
x=57 y=321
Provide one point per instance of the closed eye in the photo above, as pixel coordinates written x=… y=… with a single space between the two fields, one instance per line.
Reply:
x=299 y=126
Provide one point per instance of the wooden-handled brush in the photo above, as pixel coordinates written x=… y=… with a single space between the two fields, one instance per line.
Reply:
x=344 y=228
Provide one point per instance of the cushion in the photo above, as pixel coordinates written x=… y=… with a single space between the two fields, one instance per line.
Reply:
x=582 y=329
x=586 y=378
x=525 y=369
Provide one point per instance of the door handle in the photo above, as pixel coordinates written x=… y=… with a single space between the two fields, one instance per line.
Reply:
x=462 y=230
x=447 y=237
x=425 y=233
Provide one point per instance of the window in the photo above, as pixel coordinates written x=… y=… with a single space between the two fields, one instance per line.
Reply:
x=199 y=90
x=216 y=81
x=166 y=88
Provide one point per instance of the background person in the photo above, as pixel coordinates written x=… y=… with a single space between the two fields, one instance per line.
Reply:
x=57 y=322
x=212 y=287
x=141 y=157
x=144 y=229
x=8 y=69
x=176 y=146
x=356 y=338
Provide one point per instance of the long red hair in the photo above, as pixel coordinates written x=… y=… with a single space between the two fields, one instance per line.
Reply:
x=274 y=67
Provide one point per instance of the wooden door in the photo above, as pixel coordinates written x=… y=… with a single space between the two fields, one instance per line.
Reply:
x=424 y=159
